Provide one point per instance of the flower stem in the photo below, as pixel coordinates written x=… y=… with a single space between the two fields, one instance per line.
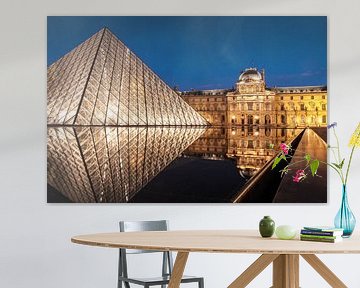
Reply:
x=350 y=159
x=291 y=164
x=337 y=142
x=348 y=166
x=340 y=171
x=336 y=169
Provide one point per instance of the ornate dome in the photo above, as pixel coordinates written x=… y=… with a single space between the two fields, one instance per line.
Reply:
x=250 y=75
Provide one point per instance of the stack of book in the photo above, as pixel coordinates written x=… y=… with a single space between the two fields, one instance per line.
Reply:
x=321 y=234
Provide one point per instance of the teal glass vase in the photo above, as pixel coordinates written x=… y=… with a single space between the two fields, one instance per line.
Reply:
x=345 y=219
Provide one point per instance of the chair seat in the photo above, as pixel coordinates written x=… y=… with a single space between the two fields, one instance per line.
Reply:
x=158 y=280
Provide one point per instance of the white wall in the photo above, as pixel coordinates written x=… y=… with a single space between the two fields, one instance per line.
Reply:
x=35 y=248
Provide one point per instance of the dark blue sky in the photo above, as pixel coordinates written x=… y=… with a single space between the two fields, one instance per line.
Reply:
x=209 y=52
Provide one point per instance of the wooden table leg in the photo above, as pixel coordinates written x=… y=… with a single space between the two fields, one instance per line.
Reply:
x=286 y=271
x=324 y=271
x=178 y=270
x=253 y=270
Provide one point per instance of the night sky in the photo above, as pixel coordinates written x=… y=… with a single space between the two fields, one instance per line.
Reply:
x=209 y=52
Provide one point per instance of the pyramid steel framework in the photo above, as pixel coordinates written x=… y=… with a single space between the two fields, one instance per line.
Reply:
x=102 y=82
x=113 y=124
x=111 y=164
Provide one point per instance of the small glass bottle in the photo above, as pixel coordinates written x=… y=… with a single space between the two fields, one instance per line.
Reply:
x=266 y=226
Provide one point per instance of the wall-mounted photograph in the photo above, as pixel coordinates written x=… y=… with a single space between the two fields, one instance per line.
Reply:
x=203 y=109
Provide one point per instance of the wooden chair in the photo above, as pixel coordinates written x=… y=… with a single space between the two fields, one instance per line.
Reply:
x=167 y=263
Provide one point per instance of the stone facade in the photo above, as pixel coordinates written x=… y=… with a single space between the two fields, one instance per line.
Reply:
x=252 y=103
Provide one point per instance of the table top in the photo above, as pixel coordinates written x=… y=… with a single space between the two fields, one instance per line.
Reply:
x=217 y=241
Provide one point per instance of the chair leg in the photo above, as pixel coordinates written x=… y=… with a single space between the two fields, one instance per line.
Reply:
x=201 y=283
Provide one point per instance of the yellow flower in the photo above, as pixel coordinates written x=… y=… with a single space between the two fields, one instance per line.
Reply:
x=355 y=138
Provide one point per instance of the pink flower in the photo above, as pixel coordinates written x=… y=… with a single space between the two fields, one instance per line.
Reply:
x=299 y=176
x=284 y=148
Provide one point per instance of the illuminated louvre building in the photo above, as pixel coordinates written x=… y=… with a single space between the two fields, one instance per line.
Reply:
x=252 y=103
x=252 y=116
x=113 y=124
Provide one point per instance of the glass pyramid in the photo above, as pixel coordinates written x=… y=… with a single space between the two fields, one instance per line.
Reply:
x=113 y=124
x=102 y=82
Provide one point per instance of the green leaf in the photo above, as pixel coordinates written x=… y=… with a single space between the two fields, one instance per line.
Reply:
x=307 y=158
x=276 y=161
x=336 y=165
x=342 y=164
x=339 y=166
x=314 y=165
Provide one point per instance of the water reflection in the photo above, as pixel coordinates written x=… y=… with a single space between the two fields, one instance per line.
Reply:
x=114 y=164
x=111 y=164
x=249 y=146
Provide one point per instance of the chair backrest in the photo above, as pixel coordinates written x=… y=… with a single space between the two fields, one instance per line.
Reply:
x=134 y=226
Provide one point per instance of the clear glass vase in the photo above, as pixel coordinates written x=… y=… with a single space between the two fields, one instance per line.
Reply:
x=345 y=219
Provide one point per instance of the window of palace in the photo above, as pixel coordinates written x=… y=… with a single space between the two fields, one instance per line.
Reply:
x=301 y=97
x=303 y=119
x=323 y=97
x=267 y=119
x=283 y=119
x=250 y=106
x=302 y=106
x=323 y=107
x=312 y=97
x=324 y=119
x=250 y=119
